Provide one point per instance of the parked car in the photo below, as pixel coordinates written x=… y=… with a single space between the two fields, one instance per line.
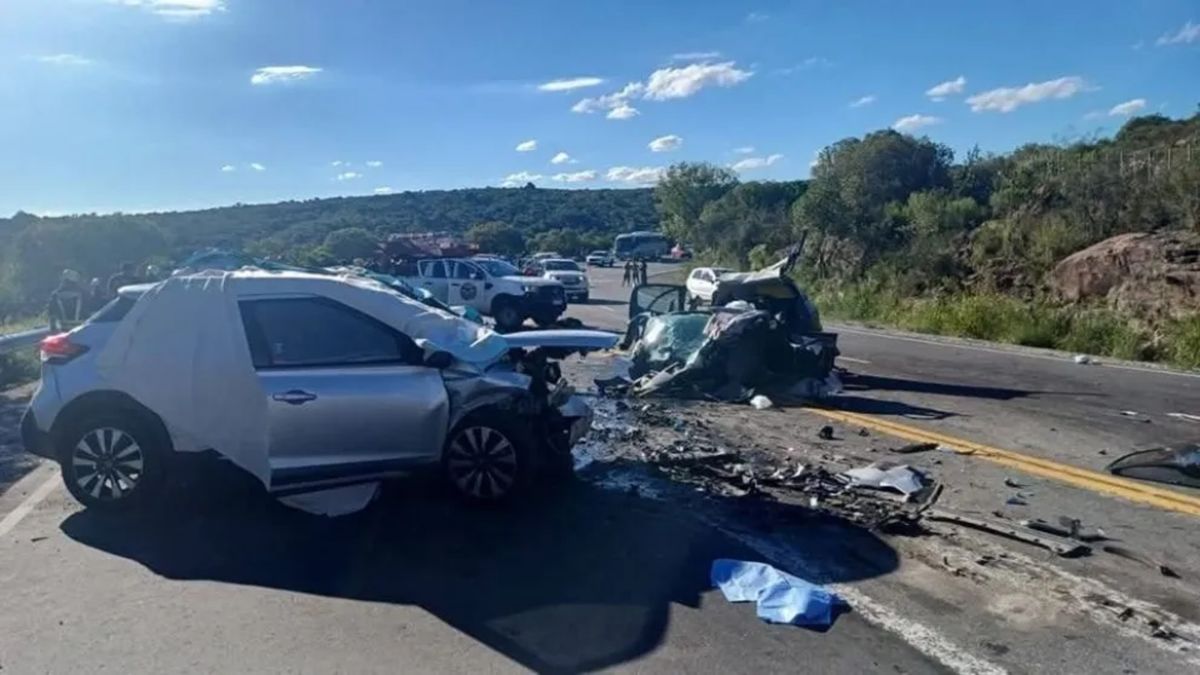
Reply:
x=493 y=287
x=702 y=282
x=570 y=275
x=600 y=259
x=311 y=383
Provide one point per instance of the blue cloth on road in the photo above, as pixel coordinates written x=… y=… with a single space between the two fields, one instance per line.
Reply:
x=780 y=597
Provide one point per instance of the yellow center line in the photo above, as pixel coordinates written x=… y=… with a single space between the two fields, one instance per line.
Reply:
x=1095 y=481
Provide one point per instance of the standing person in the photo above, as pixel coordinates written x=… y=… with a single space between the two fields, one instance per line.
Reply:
x=68 y=304
x=95 y=293
x=627 y=276
x=642 y=270
x=126 y=277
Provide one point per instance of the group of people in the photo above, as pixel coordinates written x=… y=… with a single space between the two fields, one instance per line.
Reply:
x=73 y=302
x=635 y=273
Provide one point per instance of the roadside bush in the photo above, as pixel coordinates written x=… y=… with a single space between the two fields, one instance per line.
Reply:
x=1183 y=342
x=17 y=368
x=1102 y=332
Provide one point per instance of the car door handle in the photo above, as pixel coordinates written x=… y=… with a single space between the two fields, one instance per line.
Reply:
x=294 y=397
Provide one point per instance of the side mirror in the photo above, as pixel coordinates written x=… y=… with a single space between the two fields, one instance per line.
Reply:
x=439 y=360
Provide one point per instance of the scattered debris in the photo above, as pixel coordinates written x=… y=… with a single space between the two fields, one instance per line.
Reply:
x=1159 y=630
x=761 y=402
x=34 y=540
x=1082 y=359
x=1012 y=483
x=1184 y=416
x=900 y=477
x=779 y=596
x=1065 y=549
x=862 y=431
x=914 y=447
x=1146 y=560
x=1071 y=528
x=1016 y=500
x=1135 y=415
x=1178 y=466
x=825 y=433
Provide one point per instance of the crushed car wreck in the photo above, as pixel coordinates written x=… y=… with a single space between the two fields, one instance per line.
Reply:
x=311 y=383
x=761 y=335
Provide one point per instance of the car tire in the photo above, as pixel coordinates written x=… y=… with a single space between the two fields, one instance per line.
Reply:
x=545 y=321
x=508 y=317
x=490 y=458
x=113 y=460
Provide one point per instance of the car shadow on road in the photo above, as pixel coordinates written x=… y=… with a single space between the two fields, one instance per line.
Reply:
x=878 y=382
x=871 y=406
x=582 y=579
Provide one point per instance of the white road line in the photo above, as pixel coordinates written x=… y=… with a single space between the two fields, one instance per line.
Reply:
x=1184 y=416
x=851 y=359
x=23 y=509
x=1012 y=352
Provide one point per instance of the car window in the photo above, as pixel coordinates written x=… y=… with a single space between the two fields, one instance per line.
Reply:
x=307 y=332
x=462 y=270
x=434 y=269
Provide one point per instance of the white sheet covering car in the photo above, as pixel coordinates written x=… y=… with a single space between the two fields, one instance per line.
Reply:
x=702 y=282
x=313 y=384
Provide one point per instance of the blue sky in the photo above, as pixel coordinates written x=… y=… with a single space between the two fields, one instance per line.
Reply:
x=139 y=105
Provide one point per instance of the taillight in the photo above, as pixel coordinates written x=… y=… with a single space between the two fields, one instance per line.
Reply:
x=59 y=349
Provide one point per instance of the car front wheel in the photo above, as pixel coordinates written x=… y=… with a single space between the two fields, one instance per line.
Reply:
x=112 y=461
x=489 y=459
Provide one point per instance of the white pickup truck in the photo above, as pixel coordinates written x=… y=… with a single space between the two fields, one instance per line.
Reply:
x=493 y=287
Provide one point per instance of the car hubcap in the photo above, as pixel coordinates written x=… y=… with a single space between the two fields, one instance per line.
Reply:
x=107 y=463
x=482 y=462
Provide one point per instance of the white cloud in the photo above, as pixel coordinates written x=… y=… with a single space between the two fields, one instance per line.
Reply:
x=570 y=84
x=939 y=92
x=665 y=143
x=756 y=17
x=1127 y=108
x=623 y=112
x=228 y=168
x=1008 y=99
x=348 y=175
x=807 y=64
x=520 y=178
x=695 y=56
x=177 y=9
x=527 y=146
x=744 y=150
x=383 y=190
x=865 y=100
x=374 y=163
x=751 y=163
x=632 y=174
x=576 y=177
x=1189 y=33
x=562 y=158
x=911 y=123
x=670 y=83
x=257 y=167
x=282 y=74
x=65 y=60
x=338 y=162
x=617 y=99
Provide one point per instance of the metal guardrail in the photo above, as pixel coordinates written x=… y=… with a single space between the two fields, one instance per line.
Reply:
x=29 y=338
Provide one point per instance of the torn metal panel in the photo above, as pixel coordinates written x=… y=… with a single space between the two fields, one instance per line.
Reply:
x=1178 y=466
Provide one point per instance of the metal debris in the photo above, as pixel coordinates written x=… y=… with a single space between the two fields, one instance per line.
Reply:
x=1065 y=549
x=900 y=477
x=1082 y=359
x=914 y=447
x=1146 y=560
x=825 y=433
x=1070 y=528
x=761 y=402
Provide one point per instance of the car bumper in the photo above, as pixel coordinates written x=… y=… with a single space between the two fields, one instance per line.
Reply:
x=36 y=441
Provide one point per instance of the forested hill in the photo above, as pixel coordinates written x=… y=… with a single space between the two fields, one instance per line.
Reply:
x=36 y=249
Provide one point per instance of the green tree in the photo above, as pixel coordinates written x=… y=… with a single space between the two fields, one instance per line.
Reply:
x=497 y=237
x=349 y=243
x=560 y=240
x=683 y=192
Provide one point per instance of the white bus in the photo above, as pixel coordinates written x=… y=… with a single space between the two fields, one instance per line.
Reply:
x=644 y=245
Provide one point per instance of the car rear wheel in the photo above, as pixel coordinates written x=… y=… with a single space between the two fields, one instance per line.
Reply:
x=112 y=461
x=508 y=317
x=489 y=459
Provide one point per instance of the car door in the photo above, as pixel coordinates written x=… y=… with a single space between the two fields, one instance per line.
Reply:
x=347 y=398
x=657 y=299
x=466 y=285
x=705 y=284
x=433 y=279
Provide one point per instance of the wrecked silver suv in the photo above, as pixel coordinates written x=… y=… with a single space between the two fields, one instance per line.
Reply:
x=761 y=335
x=318 y=386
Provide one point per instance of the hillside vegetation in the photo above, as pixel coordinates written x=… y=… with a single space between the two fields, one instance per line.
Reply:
x=900 y=233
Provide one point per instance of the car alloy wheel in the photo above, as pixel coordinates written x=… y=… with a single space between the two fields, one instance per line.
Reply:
x=482 y=462
x=107 y=464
